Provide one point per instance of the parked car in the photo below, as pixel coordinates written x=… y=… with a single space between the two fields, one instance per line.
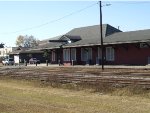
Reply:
x=9 y=61
x=34 y=61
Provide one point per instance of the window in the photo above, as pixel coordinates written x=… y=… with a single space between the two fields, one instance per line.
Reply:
x=86 y=54
x=53 y=56
x=110 y=54
x=73 y=54
x=99 y=53
x=66 y=54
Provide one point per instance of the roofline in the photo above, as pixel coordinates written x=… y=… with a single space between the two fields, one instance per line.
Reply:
x=127 y=42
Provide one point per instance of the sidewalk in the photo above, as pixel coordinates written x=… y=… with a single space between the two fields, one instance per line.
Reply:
x=83 y=66
x=93 y=66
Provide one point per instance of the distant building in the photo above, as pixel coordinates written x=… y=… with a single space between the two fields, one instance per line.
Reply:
x=21 y=54
x=4 y=52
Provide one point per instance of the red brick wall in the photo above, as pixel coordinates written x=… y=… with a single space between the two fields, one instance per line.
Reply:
x=132 y=55
x=94 y=54
x=124 y=54
x=78 y=56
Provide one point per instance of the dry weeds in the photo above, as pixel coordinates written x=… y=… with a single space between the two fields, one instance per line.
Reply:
x=21 y=96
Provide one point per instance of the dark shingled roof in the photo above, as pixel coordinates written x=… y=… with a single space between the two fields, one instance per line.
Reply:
x=45 y=44
x=47 y=40
x=17 y=50
x=112 y=36
x=81 y=36
x=92 y=31
x=91 y=35
x=129 y=37
x=71 y=37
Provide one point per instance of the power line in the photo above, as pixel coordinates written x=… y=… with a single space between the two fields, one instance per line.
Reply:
x=52 y=21
x=131 y=2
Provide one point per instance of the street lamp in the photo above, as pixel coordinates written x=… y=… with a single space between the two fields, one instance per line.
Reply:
x=101 y=33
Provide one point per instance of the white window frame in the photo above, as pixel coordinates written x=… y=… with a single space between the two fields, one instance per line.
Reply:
x=53 y=56
x=86 y=55
x=73 y=54
x=110 y=54
x=66 y=54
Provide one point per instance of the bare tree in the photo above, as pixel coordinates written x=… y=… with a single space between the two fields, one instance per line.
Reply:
x=27 y=41
x=20 y=41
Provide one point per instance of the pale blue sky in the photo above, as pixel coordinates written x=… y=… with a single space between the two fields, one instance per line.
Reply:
x=23 y=18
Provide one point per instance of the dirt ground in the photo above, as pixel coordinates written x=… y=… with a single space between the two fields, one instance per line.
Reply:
x=92 y=75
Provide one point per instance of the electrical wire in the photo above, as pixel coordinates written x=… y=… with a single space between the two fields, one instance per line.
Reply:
x=52 y=21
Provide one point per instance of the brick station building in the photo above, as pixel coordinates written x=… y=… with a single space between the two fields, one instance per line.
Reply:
x=82 y=46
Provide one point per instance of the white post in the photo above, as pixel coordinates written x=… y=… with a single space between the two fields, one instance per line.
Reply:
x=72 y=63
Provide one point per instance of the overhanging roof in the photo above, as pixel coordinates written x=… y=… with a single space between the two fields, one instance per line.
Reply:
x=90 y=36
x=115 y=38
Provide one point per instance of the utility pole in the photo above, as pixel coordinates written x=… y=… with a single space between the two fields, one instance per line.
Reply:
x=101 y=36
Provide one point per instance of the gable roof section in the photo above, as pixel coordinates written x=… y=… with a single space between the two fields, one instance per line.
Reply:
x=92 y=31
x=71 y=38
x=80 y=36
x=110 y=30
